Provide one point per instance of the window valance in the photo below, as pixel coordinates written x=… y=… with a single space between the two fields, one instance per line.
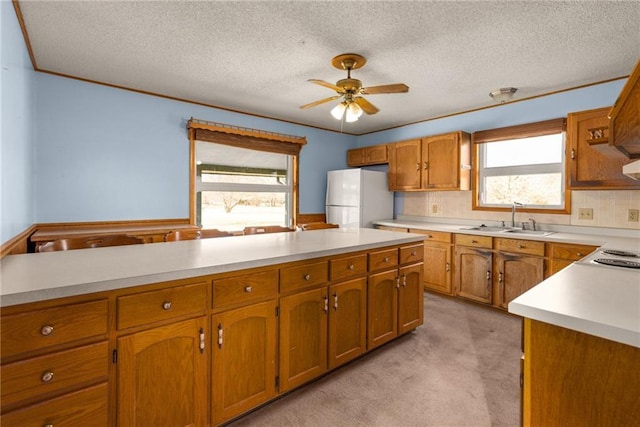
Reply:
x=527 y=130
x=254 y=139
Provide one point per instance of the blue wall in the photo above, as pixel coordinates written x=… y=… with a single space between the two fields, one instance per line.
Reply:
x=111 y=154
x=17 y=115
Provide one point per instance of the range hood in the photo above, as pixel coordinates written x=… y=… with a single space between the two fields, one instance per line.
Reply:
x=632 y=170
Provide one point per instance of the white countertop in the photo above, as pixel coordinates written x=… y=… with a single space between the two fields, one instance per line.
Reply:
x=592 y=299
x=599 y=301
x=42 y=276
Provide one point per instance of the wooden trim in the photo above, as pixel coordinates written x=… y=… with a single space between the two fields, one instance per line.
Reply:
x=527 y=130
x=23 y=27
x=242 y=131
x=17 y=244
x=248 y=142
x=51 y=226
x=192 y=177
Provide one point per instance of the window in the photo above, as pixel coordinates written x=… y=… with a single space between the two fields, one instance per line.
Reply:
x=237 y=187
x=242 y=177
x=524 y=164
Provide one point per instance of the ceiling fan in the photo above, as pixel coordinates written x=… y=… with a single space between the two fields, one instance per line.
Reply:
x=351 y=90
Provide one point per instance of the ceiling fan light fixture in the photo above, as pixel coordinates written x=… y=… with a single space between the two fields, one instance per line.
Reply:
x=353 y=112
x=503 y=95
x=338 y=111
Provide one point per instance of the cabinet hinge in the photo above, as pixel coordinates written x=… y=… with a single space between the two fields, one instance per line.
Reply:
x=277 y=311
x=277 y=382
x=114 y=356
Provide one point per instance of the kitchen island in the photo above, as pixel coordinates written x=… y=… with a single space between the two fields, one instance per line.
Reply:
x=214 y=327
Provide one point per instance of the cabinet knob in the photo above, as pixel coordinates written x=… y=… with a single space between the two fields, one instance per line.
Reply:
x=386 y=259
x=579 y=254
x=166 y=305
x=447 y=267
x=307 y=277
x=351 y=267
x=48 y=425
x=520 y=246
x=414 y=253
x=47 y=377
x=46 y=330
x=248 y=289
x=474 y=241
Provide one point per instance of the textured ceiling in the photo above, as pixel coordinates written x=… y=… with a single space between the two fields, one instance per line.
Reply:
x=256 y=56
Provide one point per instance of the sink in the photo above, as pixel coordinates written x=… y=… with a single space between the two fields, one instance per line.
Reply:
x=528 y=232
x=485 y=228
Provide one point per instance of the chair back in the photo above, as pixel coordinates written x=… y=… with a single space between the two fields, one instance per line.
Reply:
x=88 y=243
x=212 y=232
x=318 y=226
x=175 y=235
x=266 y=229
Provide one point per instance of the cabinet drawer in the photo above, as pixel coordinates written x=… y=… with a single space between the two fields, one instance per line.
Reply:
x=87 y=407
x=303 y=276
x=348 y=267
x=163 y=304
x=40 y=329
x=413 y=253
x=54 y=372
x=529 y=247
x=435 y=236
x=474 y=241
x=384 y=259
x=245 y=289
x=570 y=251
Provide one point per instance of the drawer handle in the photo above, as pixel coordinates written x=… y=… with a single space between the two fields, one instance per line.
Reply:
x=520 y=246
x=307 y=277
x=48 y=425
x=248 y=289
x=447 y=267
x=414 y=253
x=474 y=241
x=351 y=267
x=47 y=377
x=166 y=305
x=46 y=330
x=386 y=259
x=579 y=254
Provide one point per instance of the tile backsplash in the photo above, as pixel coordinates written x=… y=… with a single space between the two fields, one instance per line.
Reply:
x=610 y=208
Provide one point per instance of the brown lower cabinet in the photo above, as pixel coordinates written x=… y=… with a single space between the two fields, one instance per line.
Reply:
x=474 y=276
x=572 y=379
x=201 y=351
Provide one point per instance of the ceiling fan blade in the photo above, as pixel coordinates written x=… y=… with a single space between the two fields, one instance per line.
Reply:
x=327 y=85
x=366 y=106
x=322 y=101
x=392 y=88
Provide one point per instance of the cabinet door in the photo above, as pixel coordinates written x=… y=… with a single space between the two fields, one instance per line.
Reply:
x=376 y=154
x=437 y=267
x=473 y=274
x=347 y=321
x=244 y=359
x=356 y=157
x=162 y=376
x=303 y=337
x=516 y=274
x=410 y=298
x=382 y=308
x=588 y=168
x=404 y=165
x=440 y=162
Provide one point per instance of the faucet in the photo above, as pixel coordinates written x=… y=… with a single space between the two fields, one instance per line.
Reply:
x=533 y=223
x=513 y=212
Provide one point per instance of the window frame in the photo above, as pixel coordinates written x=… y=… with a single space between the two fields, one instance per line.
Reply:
x=528 y=130
x=254 y=139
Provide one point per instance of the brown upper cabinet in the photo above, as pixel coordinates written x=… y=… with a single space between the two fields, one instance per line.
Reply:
x=587 y=166
x=624 y=117
x=439 y=162
x=365 y=156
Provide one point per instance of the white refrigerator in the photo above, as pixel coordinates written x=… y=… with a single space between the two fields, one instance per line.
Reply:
x=356 y=197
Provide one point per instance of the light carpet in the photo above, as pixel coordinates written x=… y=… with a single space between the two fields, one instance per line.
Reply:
x=461 y=368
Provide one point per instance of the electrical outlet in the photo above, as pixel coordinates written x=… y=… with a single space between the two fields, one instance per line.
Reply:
x=434 y=208
x=585 y=213
x=633 y=215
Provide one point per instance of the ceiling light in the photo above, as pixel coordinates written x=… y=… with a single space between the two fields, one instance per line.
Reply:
x=347 y=109
x=504 y=94
x=338 y=111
